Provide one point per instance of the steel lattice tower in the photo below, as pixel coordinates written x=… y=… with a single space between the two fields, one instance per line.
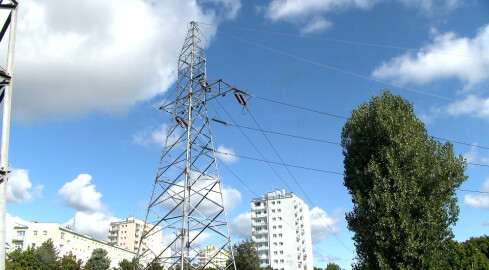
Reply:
x=187 y=203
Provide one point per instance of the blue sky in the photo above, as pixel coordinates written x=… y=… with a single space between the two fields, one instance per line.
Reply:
x=86 y=133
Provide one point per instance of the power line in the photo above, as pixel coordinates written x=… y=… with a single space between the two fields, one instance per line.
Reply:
x=293 y=177
x=352 y=42
x=335 y=68
x=254 y=146
x=344 y=117
x=279 y=163
x=278 y=133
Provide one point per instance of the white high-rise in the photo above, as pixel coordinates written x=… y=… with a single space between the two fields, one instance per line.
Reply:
x=281 y=229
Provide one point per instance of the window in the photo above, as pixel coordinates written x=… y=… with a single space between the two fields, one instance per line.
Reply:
x=20 y=233
x=33 y=245
x=278 y=202
x=274 y=227
x=275 y=261
x=281 y=243
x=44 y=232
x=279 y=218
x=274 y=235
x=279 y=235
x=62 y=235
x=280 y=226
x=279 y=210
x=35 y=232
x=281 y=261
x=273 y=202
x=281 y=252
x=273 y=219
x=275 y=252
x=273 y=210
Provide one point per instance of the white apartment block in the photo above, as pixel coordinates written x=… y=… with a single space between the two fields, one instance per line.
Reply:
x=218 y=260
x=281 y=229
x=127 y=234
x=65 y=240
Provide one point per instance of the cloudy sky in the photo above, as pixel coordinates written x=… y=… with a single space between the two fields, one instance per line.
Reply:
x=86 y=132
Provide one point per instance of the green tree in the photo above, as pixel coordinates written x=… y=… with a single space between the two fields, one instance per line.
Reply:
x=47 y=254
x=69 y=262
x=402 y=184
x=98 y=260
x=129 y=265
x=246 y=255
x=21 y=260
x=317 y=268
x=332 y=266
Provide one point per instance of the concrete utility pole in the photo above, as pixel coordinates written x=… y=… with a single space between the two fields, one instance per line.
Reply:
x=186 y=200
x=6 y=75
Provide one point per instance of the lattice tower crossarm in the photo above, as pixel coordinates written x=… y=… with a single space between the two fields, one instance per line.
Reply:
x=186 y=203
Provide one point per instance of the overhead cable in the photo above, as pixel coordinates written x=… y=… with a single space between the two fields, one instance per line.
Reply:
x=352 y=42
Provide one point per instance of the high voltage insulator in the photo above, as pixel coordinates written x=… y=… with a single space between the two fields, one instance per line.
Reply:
x=186 y=203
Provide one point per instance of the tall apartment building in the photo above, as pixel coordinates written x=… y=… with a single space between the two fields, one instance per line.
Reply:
x=127 y=234
x=64 y=240
x=281 y=229
x=218 y=260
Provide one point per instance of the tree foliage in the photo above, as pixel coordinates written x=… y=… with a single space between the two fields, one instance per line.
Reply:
x=402 y=184
x=246 y=255
x=70 y=262
x=332 y=266
x=47 y=254
x=98 y=260
x=19 y=260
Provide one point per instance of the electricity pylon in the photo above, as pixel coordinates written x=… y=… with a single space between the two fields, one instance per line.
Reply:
x=186 y=204
x=6 y=74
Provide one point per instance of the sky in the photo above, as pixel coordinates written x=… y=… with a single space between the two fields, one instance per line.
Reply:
x=86 y=135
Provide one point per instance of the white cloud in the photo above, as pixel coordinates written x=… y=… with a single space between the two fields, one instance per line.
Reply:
x=322 y=225
x=240 y=226
x=225 y=150
x=10 y=223
x=81 y=195
x=19 y=187
x=316 y=25
x=471 y=156
x=101 y=56
x=94 y=224
x=197 y=242
x=480 y=200
x=301 y=11
x=470 y=64
x=294 y=9
x=430 y=6
x=471 y=105
x=155 y=136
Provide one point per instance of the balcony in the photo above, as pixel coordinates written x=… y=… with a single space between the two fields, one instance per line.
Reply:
x=263 y=248
x=261 y=207
x=262 y=239
x=260 y=223
x=260 y=215
x=260 y=232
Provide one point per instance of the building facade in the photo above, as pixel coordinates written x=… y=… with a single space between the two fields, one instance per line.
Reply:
x=65 y=240
x=127 y=234
x=281 y=229
x=217 y=260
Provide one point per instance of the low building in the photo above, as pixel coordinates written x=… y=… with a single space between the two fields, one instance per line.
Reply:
x=66 y=241
x=212 y=255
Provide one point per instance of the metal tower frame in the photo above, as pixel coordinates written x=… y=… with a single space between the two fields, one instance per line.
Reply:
x=6 y=74
x=186 y=203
